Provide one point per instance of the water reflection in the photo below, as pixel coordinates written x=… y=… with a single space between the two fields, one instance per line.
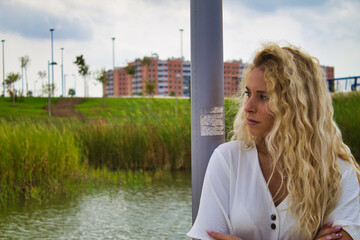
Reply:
x=142 y=212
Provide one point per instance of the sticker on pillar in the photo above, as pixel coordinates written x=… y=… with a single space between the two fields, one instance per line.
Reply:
x=212 y=122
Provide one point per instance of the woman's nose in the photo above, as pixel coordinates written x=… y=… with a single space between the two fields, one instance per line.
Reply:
x=249 y=105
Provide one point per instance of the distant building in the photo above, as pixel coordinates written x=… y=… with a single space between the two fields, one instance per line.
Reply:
x=118 y=84
x=233 y=72
x=329 y=71
x=171 y=77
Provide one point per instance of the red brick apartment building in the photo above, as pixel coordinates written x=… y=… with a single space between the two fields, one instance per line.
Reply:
x=329 y=72
x=171 y=77
x=232 y=75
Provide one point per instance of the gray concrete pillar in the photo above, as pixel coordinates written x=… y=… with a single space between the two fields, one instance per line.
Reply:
x=207 y=89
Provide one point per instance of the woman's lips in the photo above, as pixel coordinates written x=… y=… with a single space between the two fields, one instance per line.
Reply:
x=252 y=122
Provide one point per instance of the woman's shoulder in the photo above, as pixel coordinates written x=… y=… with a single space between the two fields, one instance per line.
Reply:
x=234 y=149
x=349 y=175
x=346 y=168
x=234 y=146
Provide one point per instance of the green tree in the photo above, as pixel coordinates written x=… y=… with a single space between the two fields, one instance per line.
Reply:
x=103 y=79
x=24 y=63
x=83 y=69
x=42 y=75
x=130 y=69
x=150 y=87
x=146 y=61
x=48 y=88
x=71 y=92
x=10 y=80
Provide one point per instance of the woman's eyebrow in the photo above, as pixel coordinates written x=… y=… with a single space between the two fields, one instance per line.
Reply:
x=258 y=91
x=261 y=91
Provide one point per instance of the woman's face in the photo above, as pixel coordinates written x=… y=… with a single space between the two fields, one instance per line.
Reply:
x=259 y=117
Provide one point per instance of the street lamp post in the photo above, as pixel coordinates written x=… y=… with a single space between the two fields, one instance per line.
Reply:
x=3 y=41
x=49 y=91
x=181 y=43
x=51 y=87
x=113 y=41
x=34 y=94
x=85 y=87
x=52 y=59
x=74 y=82
x=62 y=71
x=65 y=92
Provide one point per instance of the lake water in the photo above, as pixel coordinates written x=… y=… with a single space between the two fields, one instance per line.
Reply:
x=161 y=211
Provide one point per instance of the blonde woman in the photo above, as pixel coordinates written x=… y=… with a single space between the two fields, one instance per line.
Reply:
x=287 y=174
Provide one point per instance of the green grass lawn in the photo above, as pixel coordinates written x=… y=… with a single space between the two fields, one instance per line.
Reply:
x=26 y=107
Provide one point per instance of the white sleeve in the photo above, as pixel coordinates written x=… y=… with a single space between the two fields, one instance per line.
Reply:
x=213 y=211
x=347 y=212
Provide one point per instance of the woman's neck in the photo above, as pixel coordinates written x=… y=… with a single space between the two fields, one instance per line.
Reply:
x=261 y=147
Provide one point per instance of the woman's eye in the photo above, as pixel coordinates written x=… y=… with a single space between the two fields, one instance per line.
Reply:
x=263 y=97
x=247 y=93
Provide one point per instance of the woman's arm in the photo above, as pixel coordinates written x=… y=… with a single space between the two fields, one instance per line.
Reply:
x=214 y=201
x=328 y=232
x=346 y=213
x=221 y=236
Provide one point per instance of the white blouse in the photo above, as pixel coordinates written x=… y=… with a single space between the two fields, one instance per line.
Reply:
x=235 y=199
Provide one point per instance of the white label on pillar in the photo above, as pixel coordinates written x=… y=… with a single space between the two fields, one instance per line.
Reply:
x=212 y=123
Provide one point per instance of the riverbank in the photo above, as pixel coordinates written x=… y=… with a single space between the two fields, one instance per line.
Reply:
x=118 y=142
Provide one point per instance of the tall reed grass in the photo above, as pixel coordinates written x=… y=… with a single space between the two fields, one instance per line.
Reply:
x=36 y=159
x=40 y=158
x=347 y=116
x=146 y=133
x=132 y=146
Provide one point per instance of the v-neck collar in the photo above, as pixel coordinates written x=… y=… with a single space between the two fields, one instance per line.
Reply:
x=283 y=204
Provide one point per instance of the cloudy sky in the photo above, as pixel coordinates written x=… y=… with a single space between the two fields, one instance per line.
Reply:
x=326 y=29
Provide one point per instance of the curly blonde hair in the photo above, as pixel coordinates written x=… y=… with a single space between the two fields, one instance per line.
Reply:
x=304 y=142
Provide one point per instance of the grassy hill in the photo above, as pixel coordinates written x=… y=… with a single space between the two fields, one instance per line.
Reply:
x=25 y=107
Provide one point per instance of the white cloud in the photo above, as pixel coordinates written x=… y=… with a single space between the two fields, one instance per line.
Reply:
x=245 y=30
x=328 y=31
